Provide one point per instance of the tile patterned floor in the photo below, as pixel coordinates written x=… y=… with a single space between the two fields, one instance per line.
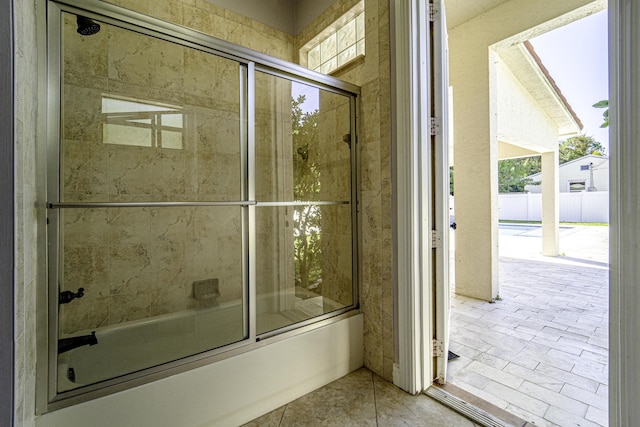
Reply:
x=542 y=351
x=362 y=399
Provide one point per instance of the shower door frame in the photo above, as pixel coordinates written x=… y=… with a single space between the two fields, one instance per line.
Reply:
x=47 y=396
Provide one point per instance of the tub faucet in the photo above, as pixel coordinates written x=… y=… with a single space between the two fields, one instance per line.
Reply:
x=68 y=296
x=66 y=344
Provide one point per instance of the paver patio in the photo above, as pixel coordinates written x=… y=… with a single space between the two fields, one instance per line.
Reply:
x=541 y=352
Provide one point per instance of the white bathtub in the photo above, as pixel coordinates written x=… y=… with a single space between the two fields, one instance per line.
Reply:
x=136 y=345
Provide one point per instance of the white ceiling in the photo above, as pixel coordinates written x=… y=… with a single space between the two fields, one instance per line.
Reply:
x=460 y=11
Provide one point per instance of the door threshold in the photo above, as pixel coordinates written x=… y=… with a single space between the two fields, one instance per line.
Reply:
x=476 y=409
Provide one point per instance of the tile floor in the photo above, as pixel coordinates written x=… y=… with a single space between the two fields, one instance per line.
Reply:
x=362 y=399
x=542 y=351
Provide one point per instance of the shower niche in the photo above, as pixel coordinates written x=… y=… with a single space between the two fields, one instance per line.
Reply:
x=201 y=196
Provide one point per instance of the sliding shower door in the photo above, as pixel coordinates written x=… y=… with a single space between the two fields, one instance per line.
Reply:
x=151 y=203
x=199 y=201
x=303 y=193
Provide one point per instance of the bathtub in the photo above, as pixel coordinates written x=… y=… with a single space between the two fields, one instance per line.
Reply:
x=132 y=346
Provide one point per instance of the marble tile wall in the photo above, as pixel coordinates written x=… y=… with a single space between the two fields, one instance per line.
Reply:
x=27 y=196
x=141 y=262
x=95 y=74
x=373 y=75
x=332 y=159
x=216 y=21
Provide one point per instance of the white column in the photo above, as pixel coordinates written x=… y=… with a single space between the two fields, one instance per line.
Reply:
x=475 y=170
x=550 y=205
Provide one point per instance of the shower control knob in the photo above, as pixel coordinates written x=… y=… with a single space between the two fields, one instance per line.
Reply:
x=68 y=296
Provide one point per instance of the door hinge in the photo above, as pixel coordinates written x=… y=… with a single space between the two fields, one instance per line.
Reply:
x=434 y=12
x=436 y=239
x=435 y=124
x=438 y=348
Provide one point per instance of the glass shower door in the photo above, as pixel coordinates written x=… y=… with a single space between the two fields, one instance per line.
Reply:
x=150 y=209
x=200 y=199
x=303 y=215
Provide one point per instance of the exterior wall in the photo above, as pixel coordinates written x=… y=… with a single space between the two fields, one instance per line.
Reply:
x=26 y=257
x=521 y=120
x=372 y=73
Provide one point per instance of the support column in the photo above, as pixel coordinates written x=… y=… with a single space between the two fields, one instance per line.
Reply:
x=475 y=170
x=550 y=204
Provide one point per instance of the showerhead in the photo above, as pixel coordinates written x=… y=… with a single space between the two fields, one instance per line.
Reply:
x=86 y=26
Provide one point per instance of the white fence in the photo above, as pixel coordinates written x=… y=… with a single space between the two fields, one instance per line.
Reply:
x=574 y=207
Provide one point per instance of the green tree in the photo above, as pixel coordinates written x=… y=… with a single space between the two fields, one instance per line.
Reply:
x=513 y=173
x=605 y=116
x=451 y=180
x=579 y=146
x=306 y=186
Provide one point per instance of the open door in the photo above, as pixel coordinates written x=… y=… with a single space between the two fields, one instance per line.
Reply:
x=422 y=181
x=440 y=193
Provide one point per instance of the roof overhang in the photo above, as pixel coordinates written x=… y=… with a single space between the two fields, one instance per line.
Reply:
x=528 y=68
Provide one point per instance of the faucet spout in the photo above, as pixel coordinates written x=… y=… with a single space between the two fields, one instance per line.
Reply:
x=66 y=344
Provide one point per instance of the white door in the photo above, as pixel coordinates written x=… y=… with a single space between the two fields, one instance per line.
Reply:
x=440 y=166
x=421 y=180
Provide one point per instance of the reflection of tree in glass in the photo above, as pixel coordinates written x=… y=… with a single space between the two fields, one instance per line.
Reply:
x=306 y=187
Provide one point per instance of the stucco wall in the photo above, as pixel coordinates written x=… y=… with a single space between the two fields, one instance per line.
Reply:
x=521 y=119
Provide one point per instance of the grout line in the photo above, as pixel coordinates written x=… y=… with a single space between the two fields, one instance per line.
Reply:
x=282 y=416
x=375 y=399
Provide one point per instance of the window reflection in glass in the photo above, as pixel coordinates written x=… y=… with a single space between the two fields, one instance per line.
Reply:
x=141 y=123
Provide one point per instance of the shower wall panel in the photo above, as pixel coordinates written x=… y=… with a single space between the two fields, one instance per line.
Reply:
x=145 y=120
x=203 y=16
x=333 y=159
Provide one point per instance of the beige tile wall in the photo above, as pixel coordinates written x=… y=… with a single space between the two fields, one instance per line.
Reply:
x=373 y=75
x=332 y=158
x=218 y=22
x=26 y=215
x=139 y=262
x=202 y=16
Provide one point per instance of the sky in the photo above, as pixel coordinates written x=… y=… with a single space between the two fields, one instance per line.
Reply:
x=576 y=56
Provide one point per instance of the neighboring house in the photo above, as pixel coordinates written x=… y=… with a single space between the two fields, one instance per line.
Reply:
x=588 y=173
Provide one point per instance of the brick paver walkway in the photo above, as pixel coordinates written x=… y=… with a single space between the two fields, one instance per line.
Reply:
x=541 y=352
